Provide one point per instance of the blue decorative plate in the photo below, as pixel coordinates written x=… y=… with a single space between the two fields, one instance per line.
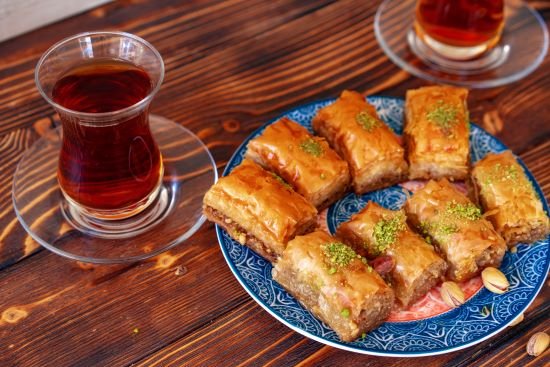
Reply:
x=482 y=316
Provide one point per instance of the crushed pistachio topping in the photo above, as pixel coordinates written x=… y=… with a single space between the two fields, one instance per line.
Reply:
x=485 y=311
x=345 y=312
x=443 y=115
x=366 y=121
x=387 y=230
x=439 y=229
x=463 y=211
x=424 y=227
x=340 y=255
x=280 y=179
x=364 y=335
x=446 y=229
x=445 y=225
x=312 y=147
x=498 y=173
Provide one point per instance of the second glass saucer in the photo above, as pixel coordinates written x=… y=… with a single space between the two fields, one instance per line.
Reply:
x=522 y=47
x=175 y=215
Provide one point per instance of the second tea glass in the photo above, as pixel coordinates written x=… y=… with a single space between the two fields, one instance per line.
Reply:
x=521 y=47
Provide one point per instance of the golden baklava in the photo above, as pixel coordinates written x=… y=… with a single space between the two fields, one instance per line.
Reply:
x=372 y=150
x=258 y=209
x=468 y=242
x=305 y=161
x=509 y=199
x=335 y=284
x=437 y=132
x=376 y=231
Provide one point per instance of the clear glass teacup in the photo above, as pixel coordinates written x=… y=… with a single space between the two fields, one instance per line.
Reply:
x=101 y=84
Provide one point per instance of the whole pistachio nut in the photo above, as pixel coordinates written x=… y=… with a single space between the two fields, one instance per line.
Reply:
x=494 y=280
x=538 y=344
x=451 y=294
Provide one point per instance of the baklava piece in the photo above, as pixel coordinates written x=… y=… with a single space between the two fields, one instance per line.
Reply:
x=468 y=242
x=335 y=284
x=437 y=133
x=258 y=209
x=509 y=199
x=370 y=147
x=306 y=162
x=376 y=231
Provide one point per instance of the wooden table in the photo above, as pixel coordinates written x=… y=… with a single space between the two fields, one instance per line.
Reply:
x=231 y=66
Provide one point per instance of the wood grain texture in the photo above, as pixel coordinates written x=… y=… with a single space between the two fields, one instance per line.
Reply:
x=231 y=66
x=89 y=313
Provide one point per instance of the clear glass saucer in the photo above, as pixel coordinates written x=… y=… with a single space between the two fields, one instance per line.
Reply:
x=172 y=218
x=522 y=48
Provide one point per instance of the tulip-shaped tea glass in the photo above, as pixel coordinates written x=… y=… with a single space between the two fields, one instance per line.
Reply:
x=113 y=183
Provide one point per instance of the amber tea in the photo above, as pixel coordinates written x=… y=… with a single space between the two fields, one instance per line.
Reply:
x=460 y=29
x=106 y=165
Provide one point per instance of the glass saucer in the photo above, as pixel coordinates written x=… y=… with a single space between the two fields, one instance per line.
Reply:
x=521 y=50
x=176 y=214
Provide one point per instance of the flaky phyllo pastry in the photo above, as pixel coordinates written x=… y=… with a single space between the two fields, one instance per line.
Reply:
x=509 y=199
x=335 y=284
x=370 y=147
x=258 y=209
x=376 y=231
x=305 y=161
x=468 y=242
x=437 y=132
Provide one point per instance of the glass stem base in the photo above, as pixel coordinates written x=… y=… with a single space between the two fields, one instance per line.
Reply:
x=115 y=214
x=447 y=58
x=124 y=224
x=455 y=52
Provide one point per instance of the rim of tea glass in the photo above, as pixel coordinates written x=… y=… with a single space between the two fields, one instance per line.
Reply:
x=488 y=83
x=93 y=115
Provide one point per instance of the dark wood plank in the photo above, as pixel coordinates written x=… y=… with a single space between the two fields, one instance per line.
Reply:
x=537 y=161
x=231 y=65
x=215 y=344
x=15 y=243
x=88 y=314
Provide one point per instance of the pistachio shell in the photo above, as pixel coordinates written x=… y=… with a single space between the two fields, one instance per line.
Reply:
x=494 y=280
x=451 y=294
x=538 y=344
x=517 y=320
